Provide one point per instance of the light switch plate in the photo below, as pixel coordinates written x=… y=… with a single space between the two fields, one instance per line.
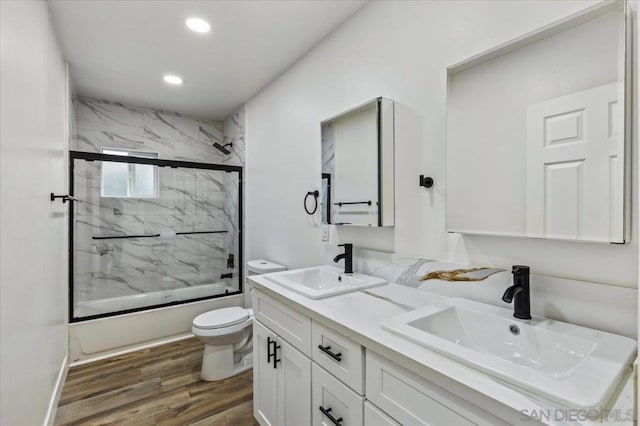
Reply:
x=325 y=233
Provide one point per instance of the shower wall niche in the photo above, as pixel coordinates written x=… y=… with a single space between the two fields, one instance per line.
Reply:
x=159 y=213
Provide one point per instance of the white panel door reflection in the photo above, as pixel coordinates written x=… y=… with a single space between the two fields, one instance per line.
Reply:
x=575 y=166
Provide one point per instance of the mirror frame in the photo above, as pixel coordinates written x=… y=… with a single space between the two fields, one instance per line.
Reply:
x=545 y=31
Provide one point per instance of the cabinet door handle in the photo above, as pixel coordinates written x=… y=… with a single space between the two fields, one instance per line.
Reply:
x=327 y=350
x=269 y=354
x=327 y=413
x=275 y=354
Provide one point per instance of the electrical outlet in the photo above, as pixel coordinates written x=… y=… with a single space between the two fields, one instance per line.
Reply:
x=325 y=233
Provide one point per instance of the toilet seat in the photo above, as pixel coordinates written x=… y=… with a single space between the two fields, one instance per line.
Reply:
x=220 y=318
x=210 y=324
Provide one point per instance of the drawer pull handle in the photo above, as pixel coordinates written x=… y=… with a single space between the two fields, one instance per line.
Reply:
x=327 y=350
x=327 y=413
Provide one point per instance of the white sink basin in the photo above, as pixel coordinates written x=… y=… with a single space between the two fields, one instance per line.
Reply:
x=323 y=281
x=575 y=366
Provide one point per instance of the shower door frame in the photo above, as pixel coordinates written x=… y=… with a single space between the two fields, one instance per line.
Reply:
x=94 y=156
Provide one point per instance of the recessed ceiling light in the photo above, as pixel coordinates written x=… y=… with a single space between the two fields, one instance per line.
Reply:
x=198 y=25
x=172 y=79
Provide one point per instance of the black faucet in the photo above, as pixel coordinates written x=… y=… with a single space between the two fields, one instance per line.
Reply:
x=347 y=256
x=520 y=291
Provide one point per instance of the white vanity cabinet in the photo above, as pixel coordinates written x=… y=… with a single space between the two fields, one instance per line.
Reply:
x=339 y=355
x=288 y=323
x=305 y=373
x=412 y=400
x=373 y=416
x=334 y=404
x=281 y=380
x=265 y=377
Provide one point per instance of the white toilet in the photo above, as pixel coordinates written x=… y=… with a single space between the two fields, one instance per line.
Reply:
x=227 y=334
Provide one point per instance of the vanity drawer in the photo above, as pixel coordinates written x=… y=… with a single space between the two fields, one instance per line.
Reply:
x=332 y=398
x=375 y=417
x=286 y=322
x=412 y=400
x=339 y=355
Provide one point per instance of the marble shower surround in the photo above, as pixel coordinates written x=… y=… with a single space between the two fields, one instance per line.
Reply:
x=173 y=136
x=188 y=200
x=233 y=131
x=328 y=162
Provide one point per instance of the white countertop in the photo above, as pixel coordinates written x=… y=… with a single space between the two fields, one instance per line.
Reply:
x=359 y=316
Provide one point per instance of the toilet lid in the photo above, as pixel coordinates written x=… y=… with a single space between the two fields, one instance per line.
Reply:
x=260 y=266
x=219 y=318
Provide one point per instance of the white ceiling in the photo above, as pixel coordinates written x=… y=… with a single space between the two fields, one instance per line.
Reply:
x=119 y=50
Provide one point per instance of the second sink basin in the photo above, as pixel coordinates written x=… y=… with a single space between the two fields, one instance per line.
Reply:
x=574 y=365
x=323 y=281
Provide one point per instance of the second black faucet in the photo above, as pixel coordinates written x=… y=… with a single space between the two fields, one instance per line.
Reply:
x=347 y=256
x=518 y=293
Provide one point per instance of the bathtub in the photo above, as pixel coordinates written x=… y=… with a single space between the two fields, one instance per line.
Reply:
x=96 y=339
x=125 y=303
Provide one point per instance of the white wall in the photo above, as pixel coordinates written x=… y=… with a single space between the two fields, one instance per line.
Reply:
x=33 y=248
x=399 y=50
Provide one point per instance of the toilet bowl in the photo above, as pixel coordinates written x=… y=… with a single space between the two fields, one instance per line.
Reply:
x=227 y=337
x=227 y=333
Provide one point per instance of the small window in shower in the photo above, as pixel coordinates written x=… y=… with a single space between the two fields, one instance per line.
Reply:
x=129 y=180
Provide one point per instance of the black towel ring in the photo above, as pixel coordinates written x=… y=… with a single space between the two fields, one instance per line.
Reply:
x=315 y=195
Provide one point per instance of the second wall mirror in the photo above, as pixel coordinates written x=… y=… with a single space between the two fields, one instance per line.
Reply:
x=538 y=133
x=358 y=166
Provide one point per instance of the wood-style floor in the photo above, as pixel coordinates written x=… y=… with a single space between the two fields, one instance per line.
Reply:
x=156 y=386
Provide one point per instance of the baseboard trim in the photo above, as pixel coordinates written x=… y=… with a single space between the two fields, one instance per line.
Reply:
x=57 y=391
x=130 y=349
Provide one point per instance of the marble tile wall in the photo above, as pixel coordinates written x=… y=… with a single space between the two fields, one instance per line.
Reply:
x=173 y=136
x=328 y=152
x=328 y=161
x=189 y=200
x=233 y=132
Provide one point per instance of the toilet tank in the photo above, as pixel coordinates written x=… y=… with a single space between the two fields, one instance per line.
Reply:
x=258 y=267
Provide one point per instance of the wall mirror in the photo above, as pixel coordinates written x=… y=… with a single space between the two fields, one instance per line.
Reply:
x=358 y=166
x=538 y=133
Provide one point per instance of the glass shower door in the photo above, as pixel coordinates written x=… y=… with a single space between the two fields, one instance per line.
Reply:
x=206 y=260
x=119 y=253
x=152 y=233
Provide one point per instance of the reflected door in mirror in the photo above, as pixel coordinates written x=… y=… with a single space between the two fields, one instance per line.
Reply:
x=538 y=132
x=574 y=173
